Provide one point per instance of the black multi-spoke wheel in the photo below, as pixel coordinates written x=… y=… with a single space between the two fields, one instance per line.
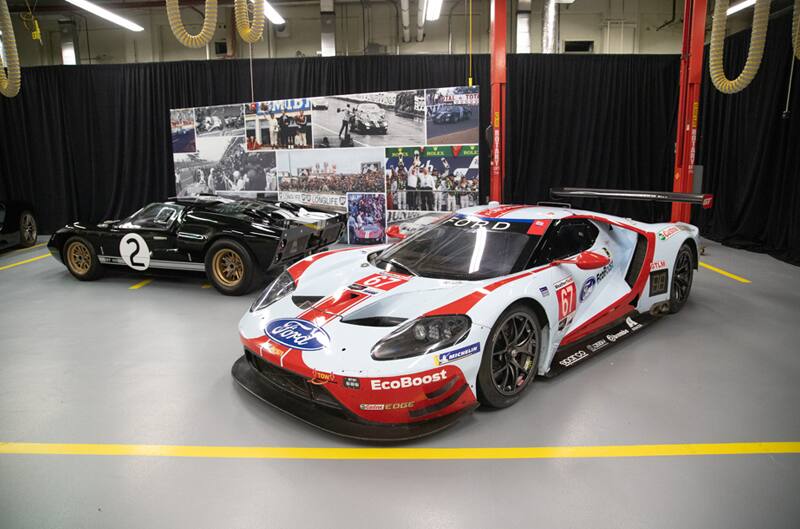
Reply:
x=27 y=229
x=682 y=274
x=510 y=360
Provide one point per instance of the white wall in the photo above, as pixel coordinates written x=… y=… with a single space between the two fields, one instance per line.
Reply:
x=582 y=20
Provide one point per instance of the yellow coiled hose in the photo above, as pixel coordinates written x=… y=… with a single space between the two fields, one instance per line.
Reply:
x=796 y=30
x=250 y=31
x=9 y=85
x=757 y=39
x=206 y=33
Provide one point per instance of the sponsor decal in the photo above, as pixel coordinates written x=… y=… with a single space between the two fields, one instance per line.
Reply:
x=587 y=288
x=320 y=377
x=457 y=354
x=617 y=335
x=658 y=265
x=473 y=224
x=574 y=358
x=352 y=383
x=596 y=346
x=632 y=324
x=297 y=334
x=378 y=384
x=668 y=232
x=386 y=407
x=605 y=271
x=544 y=292
x=538 y=227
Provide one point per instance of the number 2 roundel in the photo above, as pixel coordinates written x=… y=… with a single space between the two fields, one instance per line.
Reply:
x=134 y=251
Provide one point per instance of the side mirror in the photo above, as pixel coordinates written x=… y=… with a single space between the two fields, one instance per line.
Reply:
x=394 y=232
x=587 y=260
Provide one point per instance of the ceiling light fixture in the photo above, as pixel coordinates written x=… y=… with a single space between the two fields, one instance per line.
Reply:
x=433 y=10
x=272 y=15
x=106 y=14
x=738 y=7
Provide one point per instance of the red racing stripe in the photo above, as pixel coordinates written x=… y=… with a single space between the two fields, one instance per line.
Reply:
x=499 y=211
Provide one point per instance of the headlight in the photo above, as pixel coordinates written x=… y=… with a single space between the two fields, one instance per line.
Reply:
x=422 y=336
x=282 y=286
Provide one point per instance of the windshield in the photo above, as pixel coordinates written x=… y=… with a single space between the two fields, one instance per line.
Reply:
x=465 y=248
x=156 y=216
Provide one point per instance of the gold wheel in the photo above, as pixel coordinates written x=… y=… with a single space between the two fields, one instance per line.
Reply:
x=228 y=267
x=79 y=258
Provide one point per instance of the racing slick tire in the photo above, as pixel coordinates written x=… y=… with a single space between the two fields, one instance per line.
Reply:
x=230 y=267
x=511 y=357
x=81 y=259
x=682 y=275
x=28 y=230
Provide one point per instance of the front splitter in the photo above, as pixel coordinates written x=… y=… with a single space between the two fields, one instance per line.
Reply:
x=326 y=419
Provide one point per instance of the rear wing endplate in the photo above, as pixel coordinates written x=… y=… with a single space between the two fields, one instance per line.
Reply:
x=700 y=199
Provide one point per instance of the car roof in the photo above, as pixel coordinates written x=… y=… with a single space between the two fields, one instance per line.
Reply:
x=518 y=212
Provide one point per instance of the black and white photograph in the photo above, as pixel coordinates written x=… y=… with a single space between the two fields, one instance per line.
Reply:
x=452 y=115
x=226 y=120
x=366 y=218
x=366 y=120
x=222 y=166
x=276 y=125
x=181 y=123
x=432 y=178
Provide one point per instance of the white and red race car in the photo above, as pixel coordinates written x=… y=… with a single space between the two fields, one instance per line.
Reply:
x=398 y=341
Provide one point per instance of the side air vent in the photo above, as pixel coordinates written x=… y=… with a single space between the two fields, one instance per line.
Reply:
x=305 y=302
x=637 y=261
x=376 y=321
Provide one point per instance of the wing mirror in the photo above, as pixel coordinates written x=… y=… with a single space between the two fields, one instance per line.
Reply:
x=394 y=232
x=587 y=260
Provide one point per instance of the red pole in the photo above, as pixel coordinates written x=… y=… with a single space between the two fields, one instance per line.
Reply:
x=498 y=81
x=691 y=77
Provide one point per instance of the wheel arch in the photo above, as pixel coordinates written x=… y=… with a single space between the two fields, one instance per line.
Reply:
x=546 y=337
x=695 y=254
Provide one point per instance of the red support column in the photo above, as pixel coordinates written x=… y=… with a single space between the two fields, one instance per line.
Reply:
x=498 y=81
x=691 y=76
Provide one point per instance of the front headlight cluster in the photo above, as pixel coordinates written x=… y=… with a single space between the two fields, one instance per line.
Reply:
x=421 y=336
x=281 y=287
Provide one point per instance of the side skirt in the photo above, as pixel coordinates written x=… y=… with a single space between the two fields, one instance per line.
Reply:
x=610 y=335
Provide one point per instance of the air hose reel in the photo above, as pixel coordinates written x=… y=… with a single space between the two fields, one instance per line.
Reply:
x=183 y=36
x=10 y=83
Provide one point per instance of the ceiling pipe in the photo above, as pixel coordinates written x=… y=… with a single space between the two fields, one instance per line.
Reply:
x=550 y=27
x=450 y=27
x=405 y=20
x=671 y=20
x=421 y=5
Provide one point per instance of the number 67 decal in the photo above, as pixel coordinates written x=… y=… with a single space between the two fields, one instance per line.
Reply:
x=566 y=296
x=134 y=251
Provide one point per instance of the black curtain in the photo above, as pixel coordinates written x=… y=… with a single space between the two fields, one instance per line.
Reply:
x=592 y=121
x=93 y=142
x=751 y=151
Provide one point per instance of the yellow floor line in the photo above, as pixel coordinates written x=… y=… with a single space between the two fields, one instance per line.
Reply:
x=725 y=273
x=20 y=250
x=140 y=284
x=205 y=285
x=26 y=261
x=546 y=452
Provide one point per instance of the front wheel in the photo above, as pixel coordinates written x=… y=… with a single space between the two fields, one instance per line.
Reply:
x=28 y=230
x=81 y=259
x=230 y=268
x=682 y=275
x=511 y=357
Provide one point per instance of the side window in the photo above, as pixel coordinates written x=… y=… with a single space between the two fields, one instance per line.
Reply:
x=569 y=238
x=153 y=217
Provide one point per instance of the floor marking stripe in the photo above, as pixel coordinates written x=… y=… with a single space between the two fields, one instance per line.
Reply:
x=545 y=452
x=20 y=250
x=205 y=285
x=725 y=273
x=26 y=261
x=140 y=284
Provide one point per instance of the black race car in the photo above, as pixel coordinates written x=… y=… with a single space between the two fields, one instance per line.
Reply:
x=17 y=224
x=233 y=241
x=452 y=114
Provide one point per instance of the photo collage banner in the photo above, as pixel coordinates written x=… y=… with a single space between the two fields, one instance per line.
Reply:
x=383 y=157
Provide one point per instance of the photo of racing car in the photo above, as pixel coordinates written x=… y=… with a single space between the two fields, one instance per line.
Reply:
x=451 y=114
x=235 y=242
x=369 y=118
x=398 y=341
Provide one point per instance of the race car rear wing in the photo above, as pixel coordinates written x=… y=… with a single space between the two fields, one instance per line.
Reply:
x=704 y=200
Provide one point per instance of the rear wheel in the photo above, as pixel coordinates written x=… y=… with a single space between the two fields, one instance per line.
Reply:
x=81 y=259
x=28 y=230
x=230 y=267
x=682 y=275
x=509 y=362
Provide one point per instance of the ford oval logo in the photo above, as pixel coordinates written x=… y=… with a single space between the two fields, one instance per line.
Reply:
x=297 y=334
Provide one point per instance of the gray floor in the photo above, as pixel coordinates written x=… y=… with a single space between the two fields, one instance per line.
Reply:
x=99 y=363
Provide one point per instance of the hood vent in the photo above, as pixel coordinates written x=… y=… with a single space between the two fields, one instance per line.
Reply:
x=305 y=302
x=376 y=321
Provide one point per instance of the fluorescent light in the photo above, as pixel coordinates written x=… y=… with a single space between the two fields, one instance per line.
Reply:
x=743 y=5
x=433 y=9
x=105 y=13
x=272 y=15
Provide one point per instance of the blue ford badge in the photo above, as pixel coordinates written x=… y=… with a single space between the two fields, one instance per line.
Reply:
x=297 y=334
x=587 y=288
